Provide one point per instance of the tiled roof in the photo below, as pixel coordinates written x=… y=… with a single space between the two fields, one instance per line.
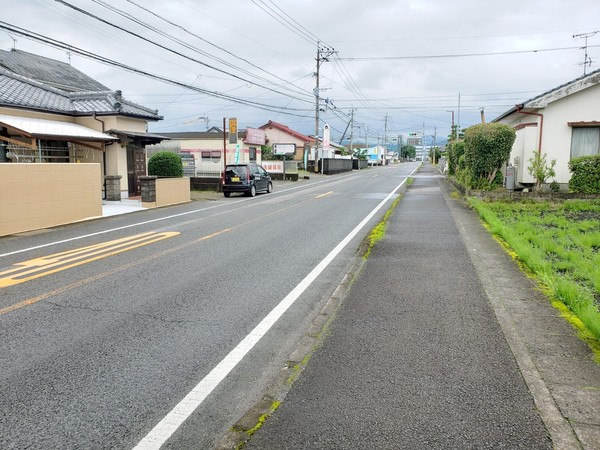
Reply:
x=20 y=91
x=287 y=130
x=48 y=71
x=591 y=78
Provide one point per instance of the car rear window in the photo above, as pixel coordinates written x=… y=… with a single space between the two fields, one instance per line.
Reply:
x=237 y=171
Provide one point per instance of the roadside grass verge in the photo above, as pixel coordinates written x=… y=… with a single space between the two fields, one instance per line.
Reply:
x=559 y=243
x=378 y=232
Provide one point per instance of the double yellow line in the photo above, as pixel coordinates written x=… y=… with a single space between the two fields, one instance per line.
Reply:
x=46 y=265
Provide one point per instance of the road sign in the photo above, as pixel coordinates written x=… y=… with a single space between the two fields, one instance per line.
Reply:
x=284 y=149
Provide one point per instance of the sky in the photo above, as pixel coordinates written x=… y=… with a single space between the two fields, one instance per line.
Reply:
x=393 y=66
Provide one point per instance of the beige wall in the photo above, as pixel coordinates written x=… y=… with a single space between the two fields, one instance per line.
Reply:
x=35 y=196
x=195 y=147
x=170 y=191
x=277 y=136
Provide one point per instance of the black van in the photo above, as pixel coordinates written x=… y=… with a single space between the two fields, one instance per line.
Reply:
x=247 y=178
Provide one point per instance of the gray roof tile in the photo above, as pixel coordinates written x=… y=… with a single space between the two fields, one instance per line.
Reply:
x=49 y=71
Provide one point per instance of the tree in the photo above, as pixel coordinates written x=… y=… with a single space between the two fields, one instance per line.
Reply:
x=435 y=154
x=487 y=148
x=408 y=151
x=360 y=153
x=539 y=169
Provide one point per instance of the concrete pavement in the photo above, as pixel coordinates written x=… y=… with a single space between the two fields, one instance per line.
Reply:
x=441 y=342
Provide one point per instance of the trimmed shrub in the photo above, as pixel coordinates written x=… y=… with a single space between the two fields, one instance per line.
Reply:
x=487 y=148
x=586 y=174
x=454 y=150
x=165 y=164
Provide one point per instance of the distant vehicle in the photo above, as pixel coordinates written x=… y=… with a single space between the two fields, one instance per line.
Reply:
x=247 y=178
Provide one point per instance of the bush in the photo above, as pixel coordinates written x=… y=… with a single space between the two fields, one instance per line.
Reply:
x=586 y=174
x=540 y=170
x=487 y=147
x=165 y=164
x=454 y=151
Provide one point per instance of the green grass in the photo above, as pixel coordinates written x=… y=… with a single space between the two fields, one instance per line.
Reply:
x=559 y=243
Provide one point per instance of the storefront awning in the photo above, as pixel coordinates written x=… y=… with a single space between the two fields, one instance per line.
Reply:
x=141 y=137
x=52 y=130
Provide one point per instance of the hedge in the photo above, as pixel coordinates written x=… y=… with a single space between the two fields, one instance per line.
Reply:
x=165 y=164
x=586 y=174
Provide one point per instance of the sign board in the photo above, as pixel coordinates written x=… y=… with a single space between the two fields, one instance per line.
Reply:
x=284 y=149
x=255 y=136
x=326 y=137
x=233 y=131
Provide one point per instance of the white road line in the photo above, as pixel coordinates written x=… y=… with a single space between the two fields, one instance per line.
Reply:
x=137 y=224
x=175 y=418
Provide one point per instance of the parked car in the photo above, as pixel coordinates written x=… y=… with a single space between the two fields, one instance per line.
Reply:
x=247 y=178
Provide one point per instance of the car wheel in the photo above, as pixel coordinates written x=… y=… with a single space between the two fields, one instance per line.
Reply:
x=226 y=194
x=269 y=187
x=252 y=191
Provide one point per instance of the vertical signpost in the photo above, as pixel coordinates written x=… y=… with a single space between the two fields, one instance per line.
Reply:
x=326 y=145
x=224 y=146
x=284 y=149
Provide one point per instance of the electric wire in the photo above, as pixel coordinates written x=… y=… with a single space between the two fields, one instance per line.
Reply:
x=290 y=83
x=82 y=11
x=63 y=46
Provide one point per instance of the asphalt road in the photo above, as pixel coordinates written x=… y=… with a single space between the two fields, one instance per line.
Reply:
x=163 y=327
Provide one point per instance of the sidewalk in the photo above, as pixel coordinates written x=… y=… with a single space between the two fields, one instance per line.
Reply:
x=441 y=343
x=121 y=207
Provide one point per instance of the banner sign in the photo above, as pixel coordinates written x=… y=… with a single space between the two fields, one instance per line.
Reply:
x=233 y=131
x=326 y=137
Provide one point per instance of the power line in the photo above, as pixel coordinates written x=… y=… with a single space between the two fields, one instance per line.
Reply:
x=82 y=11
x=63 y=46
x=283 y=21
x=459 y=55
x=219 y=48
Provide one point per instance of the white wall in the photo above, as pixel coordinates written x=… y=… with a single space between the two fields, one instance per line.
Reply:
x=582 y=106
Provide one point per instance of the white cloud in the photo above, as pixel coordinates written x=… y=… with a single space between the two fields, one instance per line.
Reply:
x=410 y=91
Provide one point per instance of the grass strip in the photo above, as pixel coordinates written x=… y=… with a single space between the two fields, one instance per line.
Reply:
x=559 y=243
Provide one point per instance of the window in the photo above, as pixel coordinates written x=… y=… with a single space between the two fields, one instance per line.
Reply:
x=210 y=155
x=585 y=141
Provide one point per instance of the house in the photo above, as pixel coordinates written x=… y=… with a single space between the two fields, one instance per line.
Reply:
x=277 y=133
x=562 y=123
x=207 y=147
x=52 y=112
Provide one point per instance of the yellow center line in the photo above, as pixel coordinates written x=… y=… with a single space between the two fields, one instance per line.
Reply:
x=324 y=195
x=39 y=267
x=138 y=262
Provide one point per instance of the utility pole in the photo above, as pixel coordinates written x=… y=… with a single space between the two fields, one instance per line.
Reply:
x=385 y=140
x=322 y=55
x=458 y=119
x=434 y=142
x=423 y=144
x=452 y=131
x=587 y=61
x=351 y=131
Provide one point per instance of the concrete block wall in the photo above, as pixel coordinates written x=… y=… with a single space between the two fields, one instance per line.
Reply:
x=35 y=196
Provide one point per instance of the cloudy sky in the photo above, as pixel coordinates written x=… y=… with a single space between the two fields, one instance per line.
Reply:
x=399 y=65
